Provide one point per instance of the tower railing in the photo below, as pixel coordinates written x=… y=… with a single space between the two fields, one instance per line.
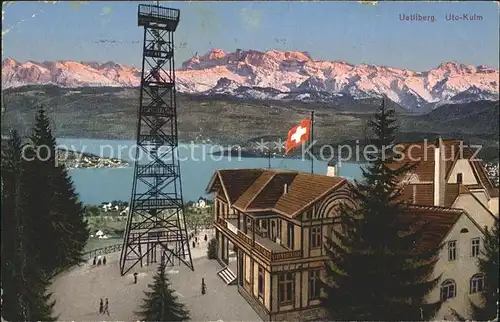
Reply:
x=155 y=11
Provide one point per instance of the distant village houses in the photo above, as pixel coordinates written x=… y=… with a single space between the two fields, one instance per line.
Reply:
x=115 y=206
x=202 y=203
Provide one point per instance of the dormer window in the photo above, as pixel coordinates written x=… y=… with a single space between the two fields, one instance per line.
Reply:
x=459 y=178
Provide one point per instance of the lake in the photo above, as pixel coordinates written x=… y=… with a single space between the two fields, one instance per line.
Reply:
x=197 y=167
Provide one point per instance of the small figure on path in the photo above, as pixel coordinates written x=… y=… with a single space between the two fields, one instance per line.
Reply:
x=101 y=307
x=194 y=244
x=94 y=261
x=135 y=278
x=104 y=260
x=203 y=286
x=99 y=262
x=106 y=307
x=206 y=237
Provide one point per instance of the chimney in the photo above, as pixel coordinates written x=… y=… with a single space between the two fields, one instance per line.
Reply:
x=285 y=189
x=439 y=173
x=332 y=169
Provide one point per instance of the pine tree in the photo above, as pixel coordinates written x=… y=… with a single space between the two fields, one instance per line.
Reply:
x=212 y=249
x=374 y=270
x=24 y=284
x=160 y=303
x=489 y=266
x=11 y=266
x=63 y=230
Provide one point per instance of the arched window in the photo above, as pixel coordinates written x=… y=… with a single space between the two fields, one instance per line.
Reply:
x=448 y=290
x=477 y=283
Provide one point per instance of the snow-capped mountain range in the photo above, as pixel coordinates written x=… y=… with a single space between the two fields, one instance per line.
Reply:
x=277 y=75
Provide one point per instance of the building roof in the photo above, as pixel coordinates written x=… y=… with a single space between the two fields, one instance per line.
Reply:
x=422 y=155
x=436 y=222
x=263 y=190
x=453 y=151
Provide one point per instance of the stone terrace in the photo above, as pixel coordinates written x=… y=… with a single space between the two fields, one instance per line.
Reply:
x=77 y=292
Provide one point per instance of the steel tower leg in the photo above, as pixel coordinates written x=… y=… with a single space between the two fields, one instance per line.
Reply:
x=156 y=217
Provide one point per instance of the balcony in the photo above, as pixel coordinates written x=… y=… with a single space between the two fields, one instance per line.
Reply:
x=274 y=252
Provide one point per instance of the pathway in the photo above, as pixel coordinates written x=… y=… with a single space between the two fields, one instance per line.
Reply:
x=77 y=292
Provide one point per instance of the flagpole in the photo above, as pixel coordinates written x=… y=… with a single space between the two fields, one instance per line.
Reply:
x=312 y=141
x=268 y=157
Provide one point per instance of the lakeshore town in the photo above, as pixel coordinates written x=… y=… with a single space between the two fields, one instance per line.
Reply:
x=82 y=160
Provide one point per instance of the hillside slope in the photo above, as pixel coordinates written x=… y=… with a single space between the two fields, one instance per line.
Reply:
x=112 y=113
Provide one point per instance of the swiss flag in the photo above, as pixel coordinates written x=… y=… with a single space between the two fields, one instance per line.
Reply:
x=298 y=134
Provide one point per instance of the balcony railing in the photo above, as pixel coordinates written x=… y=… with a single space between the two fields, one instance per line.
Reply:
x=244 y=239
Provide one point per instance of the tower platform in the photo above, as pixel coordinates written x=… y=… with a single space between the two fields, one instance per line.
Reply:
x=153 y=16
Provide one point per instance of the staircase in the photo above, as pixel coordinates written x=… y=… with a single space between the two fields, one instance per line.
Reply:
x=227 y=276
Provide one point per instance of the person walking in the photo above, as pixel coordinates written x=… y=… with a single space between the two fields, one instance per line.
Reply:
x=104 y=260
x=106 y=307
x=94 y=261
x=203 y=287
x=135 y=278
x=101 y=307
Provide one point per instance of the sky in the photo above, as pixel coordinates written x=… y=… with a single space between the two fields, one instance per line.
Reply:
x=334 y=31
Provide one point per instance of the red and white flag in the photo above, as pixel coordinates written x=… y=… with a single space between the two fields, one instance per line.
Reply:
x=298 y=134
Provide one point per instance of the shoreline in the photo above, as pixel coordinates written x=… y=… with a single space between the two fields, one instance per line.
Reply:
x=72 y=159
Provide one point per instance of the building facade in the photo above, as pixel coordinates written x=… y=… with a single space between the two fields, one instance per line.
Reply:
x=270 y=228
x=457 y=265
x=274 y=222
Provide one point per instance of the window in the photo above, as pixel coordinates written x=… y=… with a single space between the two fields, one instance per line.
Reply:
x=477 y=283
x=315 y=237
x=290 y=236
x=261 y=282
x=475 y=243
x=452 y=250
x=248 y=268
x=314 y=285
x=448 y=290
x=459 y=178
x=285 y=283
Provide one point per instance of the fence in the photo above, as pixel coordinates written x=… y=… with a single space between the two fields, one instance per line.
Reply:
x=102 y=251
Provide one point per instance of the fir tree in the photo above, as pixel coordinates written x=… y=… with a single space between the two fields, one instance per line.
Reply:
x=23 y=280
x=212 y=249
x=10 y=212
x=489 y=266
x=374 y=271
x=63 y=230
x=160 y=303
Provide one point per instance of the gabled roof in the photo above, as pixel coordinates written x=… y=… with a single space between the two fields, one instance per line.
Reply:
x=262 y=190
x=453 y=150
x=438 y=222
x=465 y=190
x=421 y=153
x=482 y=178
x=234 y=182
